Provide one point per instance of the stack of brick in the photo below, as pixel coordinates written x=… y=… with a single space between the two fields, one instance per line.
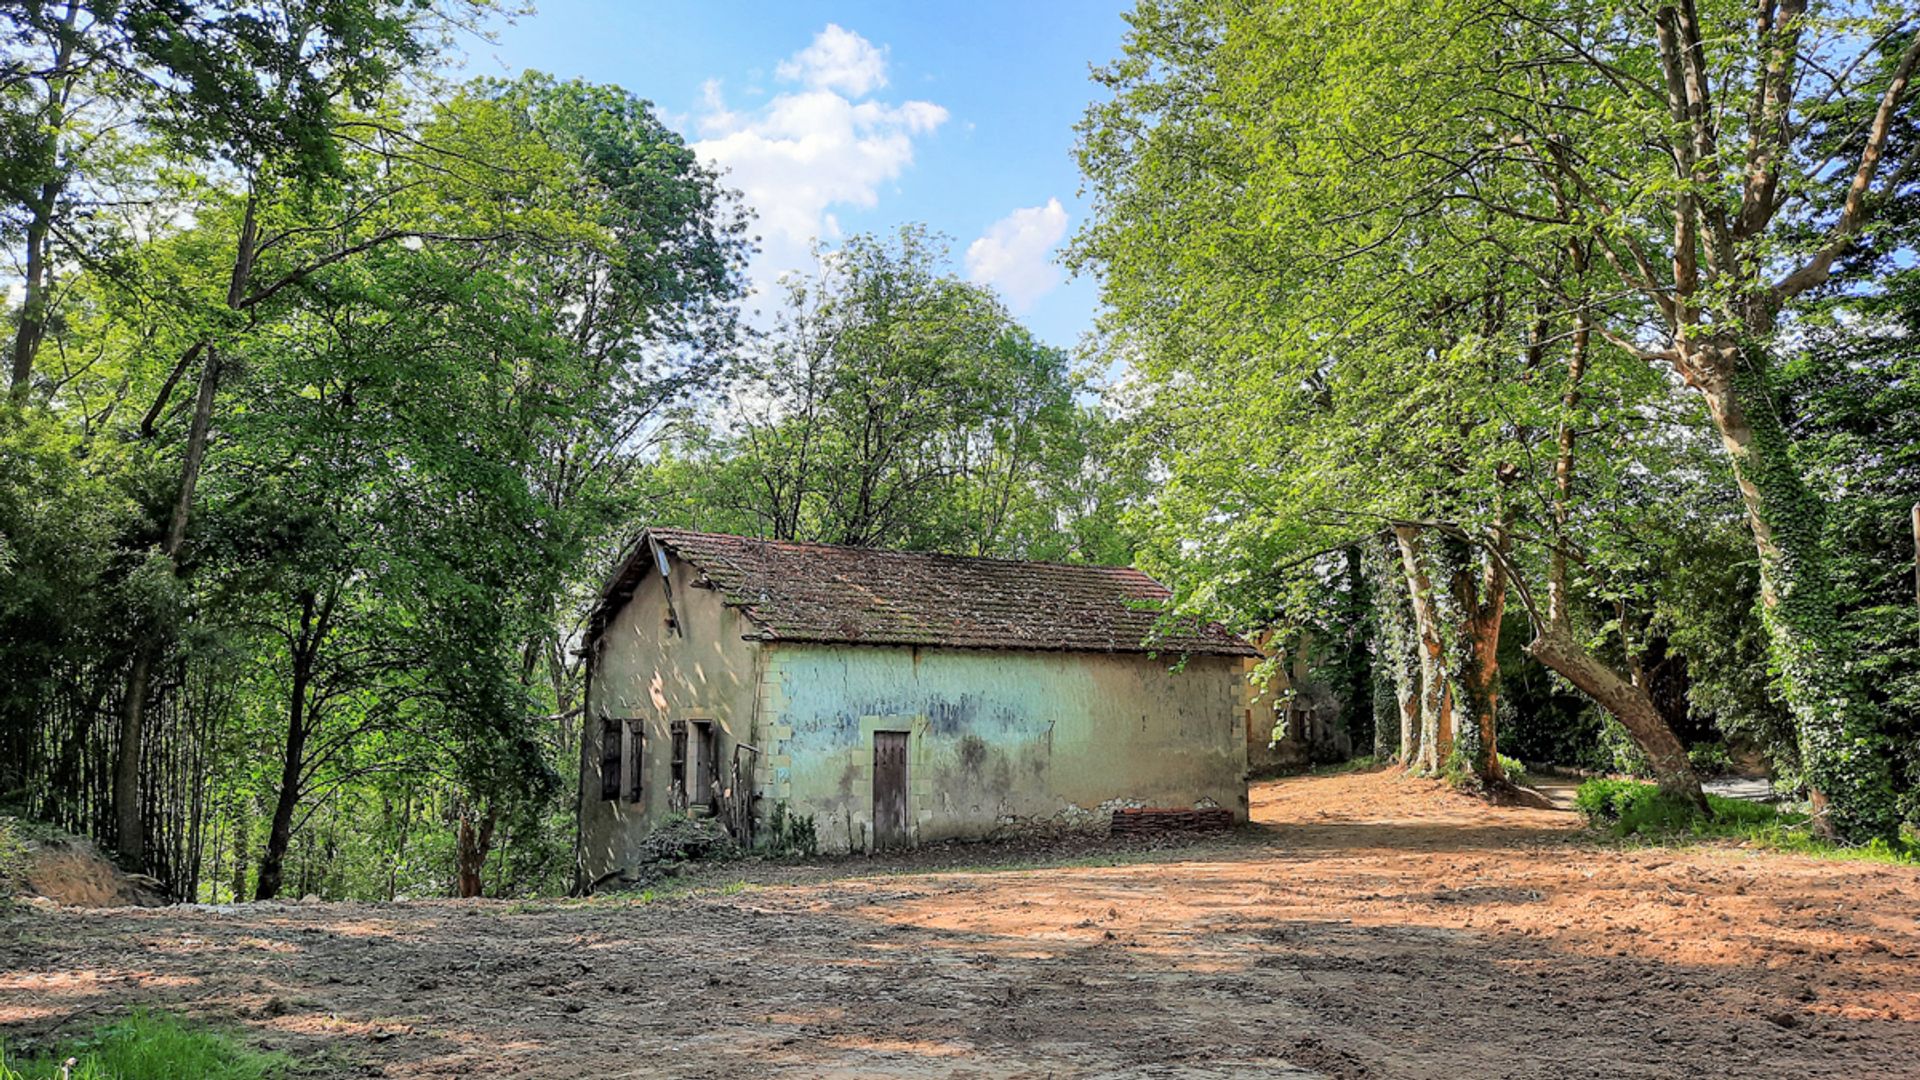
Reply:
x=1154 y=822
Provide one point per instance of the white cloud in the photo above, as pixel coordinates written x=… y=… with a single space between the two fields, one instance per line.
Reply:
x=806 y=151
x=1015 y=254
x=838 y=59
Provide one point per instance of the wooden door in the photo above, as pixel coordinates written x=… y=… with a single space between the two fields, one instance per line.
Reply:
x=890 y=789
x=706 y=751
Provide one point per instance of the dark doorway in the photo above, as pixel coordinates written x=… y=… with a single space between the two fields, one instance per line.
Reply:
x=705 y=759
x=890 y=789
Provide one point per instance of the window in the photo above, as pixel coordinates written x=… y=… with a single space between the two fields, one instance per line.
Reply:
x=611 y=759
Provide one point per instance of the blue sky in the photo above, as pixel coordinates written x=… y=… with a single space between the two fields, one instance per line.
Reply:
x=836 y=118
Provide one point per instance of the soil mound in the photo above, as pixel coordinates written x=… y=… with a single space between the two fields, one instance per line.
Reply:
x=69 y=870
x=663 y=852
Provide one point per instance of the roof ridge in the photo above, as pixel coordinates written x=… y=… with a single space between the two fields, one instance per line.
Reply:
x=819 y=544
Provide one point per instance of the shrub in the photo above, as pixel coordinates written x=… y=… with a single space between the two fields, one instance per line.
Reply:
x=790 y=834
x=1511 y=767
x=13 y=859
x=1619 y=752
x=147 y=1046
x=1710 y=759
x=1632 y=808
x=1605 y=802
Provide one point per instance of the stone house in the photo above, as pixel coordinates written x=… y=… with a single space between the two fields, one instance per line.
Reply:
x=893 y=698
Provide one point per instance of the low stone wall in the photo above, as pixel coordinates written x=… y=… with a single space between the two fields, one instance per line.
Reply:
x=1154 y=822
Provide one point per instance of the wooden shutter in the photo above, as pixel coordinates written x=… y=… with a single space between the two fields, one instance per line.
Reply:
x=610 y=760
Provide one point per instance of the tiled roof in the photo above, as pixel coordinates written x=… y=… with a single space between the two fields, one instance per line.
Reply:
x=828 y=593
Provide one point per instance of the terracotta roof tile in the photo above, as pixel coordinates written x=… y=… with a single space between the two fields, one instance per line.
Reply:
x=829 y=593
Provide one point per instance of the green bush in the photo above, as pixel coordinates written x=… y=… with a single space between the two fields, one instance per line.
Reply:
x=1511 y=767
x=790 y=834
x=1619 y=752
x=13 y=859
x=1630 y=808
x=147 y=1046
x=1710 y=759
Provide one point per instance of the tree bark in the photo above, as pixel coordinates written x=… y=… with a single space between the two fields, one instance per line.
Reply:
x=1399 y=649
x=1477 y=604
x=1556 y=648
x=474 y=842
x=129 y=830
x=314 y=626
x=287 y=799
x=1436 y=703
x=1841 y=746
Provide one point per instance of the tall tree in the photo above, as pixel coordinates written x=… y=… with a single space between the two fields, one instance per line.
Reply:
x=1345 y=295
x=896 y=405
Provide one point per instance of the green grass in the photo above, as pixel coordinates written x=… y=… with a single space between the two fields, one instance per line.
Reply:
x=1359 y=764
x=146 y=1046
x=1629 y=808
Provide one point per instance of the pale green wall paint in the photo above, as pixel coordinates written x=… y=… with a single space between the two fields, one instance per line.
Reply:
x=1001 y=740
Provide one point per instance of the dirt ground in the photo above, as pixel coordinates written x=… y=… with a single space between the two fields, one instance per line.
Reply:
x=1366 y=925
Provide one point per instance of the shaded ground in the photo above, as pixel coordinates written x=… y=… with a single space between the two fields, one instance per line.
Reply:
x=1366 y=926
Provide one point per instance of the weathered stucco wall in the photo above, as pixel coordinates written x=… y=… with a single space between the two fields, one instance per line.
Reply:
x=648 y=674
x=1001 y=742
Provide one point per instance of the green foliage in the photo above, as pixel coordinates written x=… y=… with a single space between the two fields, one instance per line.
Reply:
x=1618 y=752
x=1710 y=759
x=439 y=362
x=1629 y=807
x=790 y=834
x=147 y=1046
x=1368 y=275
x=1356 y=764
x=895 y=405
x=13 y=858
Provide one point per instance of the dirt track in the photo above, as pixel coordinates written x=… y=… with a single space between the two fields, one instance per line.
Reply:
x=1367 y=926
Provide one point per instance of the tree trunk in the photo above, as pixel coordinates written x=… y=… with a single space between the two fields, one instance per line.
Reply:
x=133 y=717
x=1435 y=739
x=1399 y=649
x=1554 y=645
x=313 y=633
x=1556 y=648
x=129 y=830
x=280 y=835
x=242 y=854
x=1475 y=604
x=1841 y=746
x=129 y=834
x=472 y=855
x=33 y=306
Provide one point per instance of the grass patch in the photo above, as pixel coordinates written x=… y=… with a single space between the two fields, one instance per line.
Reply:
x=1359 y=764
x=1629 y=808
x=146 y=1046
